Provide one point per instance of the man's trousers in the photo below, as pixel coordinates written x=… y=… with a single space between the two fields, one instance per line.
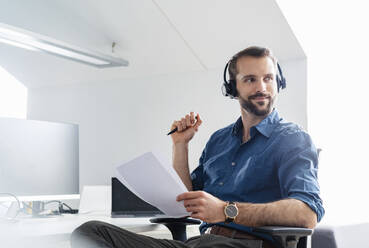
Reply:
x=97 y=234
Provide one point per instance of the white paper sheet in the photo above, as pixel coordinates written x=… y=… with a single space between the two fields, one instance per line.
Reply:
x=155 y=183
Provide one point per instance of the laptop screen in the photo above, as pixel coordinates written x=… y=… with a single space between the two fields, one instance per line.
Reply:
x=124 y=202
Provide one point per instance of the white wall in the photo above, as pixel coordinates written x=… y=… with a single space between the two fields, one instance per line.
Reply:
x=13 y=96
x=292 y=102
x=124 y=118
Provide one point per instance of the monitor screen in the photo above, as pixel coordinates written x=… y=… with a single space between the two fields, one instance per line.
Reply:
x=38 y=158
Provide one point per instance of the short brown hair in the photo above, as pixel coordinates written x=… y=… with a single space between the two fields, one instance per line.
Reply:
x=253 y=51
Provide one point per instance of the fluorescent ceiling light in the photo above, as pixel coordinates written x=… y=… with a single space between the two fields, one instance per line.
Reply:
x=9 y=42
x=32 y=41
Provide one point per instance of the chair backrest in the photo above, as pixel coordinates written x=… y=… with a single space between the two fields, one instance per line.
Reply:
x=319 y=150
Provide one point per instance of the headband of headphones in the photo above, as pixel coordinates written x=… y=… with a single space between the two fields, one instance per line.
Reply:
x=229 y=86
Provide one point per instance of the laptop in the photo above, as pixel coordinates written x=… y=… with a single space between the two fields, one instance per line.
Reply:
x=126 y=204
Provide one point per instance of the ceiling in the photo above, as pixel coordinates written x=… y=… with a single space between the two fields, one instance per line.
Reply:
x=156 y=36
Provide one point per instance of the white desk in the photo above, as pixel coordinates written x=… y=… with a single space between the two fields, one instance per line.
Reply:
x=56 y=231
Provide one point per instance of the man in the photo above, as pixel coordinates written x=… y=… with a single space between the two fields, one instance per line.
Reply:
x=258 y=171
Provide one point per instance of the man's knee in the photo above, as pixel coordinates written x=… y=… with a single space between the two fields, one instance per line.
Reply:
x=86 y=233
x=89 y=227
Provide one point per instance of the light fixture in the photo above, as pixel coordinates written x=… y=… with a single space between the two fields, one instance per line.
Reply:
x=32 y=41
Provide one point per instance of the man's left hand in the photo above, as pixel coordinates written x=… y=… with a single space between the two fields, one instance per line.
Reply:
x=203 y=206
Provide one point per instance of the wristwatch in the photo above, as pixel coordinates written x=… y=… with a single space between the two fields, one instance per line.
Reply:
x=231 y=212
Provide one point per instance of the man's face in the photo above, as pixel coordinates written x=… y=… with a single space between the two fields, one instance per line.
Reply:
x=256 y=84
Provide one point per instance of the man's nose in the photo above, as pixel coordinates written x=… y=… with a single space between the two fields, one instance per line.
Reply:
x=260 y=85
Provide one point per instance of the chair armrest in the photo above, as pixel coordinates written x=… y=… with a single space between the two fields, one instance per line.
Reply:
x=177 y=226
x=188 y=221
x=287 y=237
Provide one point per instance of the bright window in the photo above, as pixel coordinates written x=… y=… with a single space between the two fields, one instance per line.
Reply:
x=13 y=96
x=334 y=38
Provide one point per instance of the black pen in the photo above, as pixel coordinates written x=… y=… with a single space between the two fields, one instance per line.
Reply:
x=176 y=129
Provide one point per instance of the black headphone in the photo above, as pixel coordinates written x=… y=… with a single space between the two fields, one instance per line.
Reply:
x=229 y=86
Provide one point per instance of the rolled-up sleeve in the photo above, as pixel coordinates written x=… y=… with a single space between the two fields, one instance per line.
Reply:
x=197 y=174
x=298 y=171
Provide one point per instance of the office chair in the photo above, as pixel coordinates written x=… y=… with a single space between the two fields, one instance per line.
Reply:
x=284 y=237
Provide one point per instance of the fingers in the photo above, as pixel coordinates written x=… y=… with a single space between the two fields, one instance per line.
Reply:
x=195 y=205
x=196 y=216
x=192 y=118
x=190 y=195
x=187 y=121
x=194 y=202
x=198 y=122
x=195 y=209
x=174 y=125
x=183 y=123
x=178 y=125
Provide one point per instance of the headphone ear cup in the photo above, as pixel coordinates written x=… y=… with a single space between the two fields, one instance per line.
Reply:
x=283 y=83
x=229 y=86
x=281 y=80
x=225 y=89
x=229 y=89
x=279 y=84
x=233 y=88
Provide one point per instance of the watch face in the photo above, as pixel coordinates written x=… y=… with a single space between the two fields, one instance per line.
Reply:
x=231 y=211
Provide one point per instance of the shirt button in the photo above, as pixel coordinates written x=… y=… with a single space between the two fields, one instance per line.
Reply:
x=233 y=163
x=221 y=183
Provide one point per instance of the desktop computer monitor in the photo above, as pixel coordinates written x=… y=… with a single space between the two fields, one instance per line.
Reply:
x=38 y=158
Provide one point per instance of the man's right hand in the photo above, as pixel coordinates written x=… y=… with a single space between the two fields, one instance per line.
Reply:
x=187 y=127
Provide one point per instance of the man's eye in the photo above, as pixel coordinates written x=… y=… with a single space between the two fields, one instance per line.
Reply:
x=249 y=80
x=268 y=79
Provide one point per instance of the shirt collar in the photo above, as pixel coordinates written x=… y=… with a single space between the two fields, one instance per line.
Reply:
x=265 y=127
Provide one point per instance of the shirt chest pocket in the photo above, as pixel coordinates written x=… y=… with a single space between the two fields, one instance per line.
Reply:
x=214 y=170
x=257 y=173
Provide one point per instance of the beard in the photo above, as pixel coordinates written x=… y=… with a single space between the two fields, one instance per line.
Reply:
x=254 y=108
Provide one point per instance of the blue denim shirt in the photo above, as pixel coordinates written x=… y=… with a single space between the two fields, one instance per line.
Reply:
x=279 y=161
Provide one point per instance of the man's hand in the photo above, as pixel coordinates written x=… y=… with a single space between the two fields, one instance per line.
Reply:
x=203 y=206
x=187 y=127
